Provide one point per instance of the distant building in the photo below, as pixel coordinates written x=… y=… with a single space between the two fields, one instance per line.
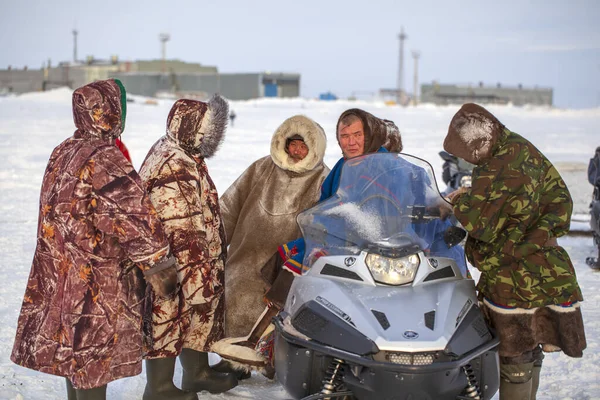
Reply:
x=456 y=94
x=173 y=78
x=234 y=86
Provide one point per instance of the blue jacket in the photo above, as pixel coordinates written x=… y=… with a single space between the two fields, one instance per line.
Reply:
x=293 y=252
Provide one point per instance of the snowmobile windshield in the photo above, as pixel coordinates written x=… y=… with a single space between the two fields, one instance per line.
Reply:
x=386 y=203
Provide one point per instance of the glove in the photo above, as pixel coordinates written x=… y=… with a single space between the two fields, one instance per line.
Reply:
x=163 y=277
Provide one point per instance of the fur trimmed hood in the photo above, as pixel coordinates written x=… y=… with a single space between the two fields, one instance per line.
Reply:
x=99 y=109
x=473 y=134
x=378 y=132
x=198 y=127
x=314 y=138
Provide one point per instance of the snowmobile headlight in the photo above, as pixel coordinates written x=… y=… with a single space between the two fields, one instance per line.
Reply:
x=393 y=271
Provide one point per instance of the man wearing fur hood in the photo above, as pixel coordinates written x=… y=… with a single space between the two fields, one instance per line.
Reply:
x=186 y=201
x=517 y=207
x=259 y=211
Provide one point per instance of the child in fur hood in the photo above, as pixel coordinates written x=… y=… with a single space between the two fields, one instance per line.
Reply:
x=516 y=208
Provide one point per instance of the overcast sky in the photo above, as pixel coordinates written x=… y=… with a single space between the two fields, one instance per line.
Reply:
x=344 y=46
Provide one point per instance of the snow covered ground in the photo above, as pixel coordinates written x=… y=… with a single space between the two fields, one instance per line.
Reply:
x=32 y=125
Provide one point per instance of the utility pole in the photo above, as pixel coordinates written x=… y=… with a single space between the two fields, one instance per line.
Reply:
x=164 y=38
x=75 y=45
x=416 y=54
x=402 y=36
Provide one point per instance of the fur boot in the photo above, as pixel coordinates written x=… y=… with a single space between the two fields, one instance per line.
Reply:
x=241 y=353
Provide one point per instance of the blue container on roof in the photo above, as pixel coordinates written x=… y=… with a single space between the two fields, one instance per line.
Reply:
x=327 y=96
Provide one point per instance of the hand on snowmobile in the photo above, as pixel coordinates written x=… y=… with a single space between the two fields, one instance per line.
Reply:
x=452 y=196
x=163 y=277
x=445 y=210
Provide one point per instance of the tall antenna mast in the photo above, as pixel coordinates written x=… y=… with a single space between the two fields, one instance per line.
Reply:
x=400 y=86
x=75 y=45
x=164 y=38
x=416 y=54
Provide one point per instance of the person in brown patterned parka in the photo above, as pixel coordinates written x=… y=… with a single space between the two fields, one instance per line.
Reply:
x=81 y=316
x=186 y=200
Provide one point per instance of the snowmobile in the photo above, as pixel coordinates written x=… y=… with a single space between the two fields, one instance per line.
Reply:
x=456 y=172
x=594 y=179
x=383 y=308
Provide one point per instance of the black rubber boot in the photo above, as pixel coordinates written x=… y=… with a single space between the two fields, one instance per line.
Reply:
x=98 y=393
x=226 y=366
x=535 y=382
x=516 y=381
x=198 y=376
x=159 y=381
x=71 y=393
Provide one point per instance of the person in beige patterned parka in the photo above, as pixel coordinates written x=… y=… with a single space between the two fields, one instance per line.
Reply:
x=82 y=311
x=186 y=200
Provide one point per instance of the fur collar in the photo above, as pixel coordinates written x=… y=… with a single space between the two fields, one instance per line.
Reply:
x=314 y=137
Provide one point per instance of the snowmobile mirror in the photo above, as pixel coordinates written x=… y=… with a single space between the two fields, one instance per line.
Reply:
x=454 y=235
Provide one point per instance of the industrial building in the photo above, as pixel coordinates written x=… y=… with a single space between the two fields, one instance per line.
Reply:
x=498 y=94
x=233 y=86
x=153 y=77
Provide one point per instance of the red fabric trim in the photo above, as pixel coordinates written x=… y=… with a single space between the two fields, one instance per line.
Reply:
x=123 y=149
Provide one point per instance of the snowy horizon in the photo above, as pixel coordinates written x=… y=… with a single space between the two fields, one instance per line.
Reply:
x=32 y=124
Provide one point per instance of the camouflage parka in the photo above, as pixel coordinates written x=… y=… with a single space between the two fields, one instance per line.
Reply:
x=517 y=205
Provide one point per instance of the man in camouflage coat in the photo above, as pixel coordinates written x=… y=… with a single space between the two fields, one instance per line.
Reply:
x=186 y=200
x=516 y=208
x=81 y=316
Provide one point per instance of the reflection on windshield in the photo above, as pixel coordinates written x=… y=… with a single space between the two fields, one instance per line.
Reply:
x=384 y=201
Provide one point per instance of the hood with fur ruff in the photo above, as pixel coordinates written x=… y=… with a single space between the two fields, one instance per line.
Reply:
x=313 y=136
x=198 y=127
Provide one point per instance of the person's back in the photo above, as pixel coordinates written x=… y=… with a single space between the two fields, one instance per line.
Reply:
x=81 y=313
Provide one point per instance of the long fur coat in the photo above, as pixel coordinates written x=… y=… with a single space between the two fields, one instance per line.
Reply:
x=259 y=211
